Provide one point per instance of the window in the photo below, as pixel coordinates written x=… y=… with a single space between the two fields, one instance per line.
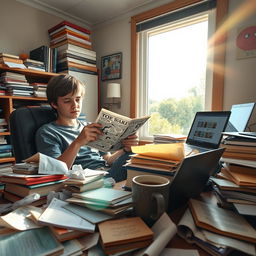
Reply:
x=154 y=78
x=172 y=76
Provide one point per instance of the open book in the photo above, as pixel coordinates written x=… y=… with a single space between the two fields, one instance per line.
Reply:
x=115 y=128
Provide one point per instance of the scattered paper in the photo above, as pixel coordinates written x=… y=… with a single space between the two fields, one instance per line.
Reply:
x=48 y=165
x=164 y=230
x=18 y=219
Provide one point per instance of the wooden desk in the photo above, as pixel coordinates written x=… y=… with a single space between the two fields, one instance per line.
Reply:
x=178 y=242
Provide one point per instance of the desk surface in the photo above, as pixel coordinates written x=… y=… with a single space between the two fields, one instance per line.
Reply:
x=178 y=242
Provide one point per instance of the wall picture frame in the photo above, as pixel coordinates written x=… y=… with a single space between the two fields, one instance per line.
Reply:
x=111 y=66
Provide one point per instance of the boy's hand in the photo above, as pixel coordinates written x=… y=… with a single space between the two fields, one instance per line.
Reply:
x=89 y=133
x=130 y=141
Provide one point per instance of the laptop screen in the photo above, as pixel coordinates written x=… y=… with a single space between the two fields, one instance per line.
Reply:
x=240 y=116
x=207 y=127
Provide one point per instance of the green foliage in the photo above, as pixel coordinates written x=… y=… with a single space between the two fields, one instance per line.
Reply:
x=175 y=116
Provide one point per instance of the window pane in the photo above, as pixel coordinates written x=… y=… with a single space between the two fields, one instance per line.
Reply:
x=176 y=76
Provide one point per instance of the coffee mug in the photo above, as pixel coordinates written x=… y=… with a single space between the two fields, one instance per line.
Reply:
x=150 y=195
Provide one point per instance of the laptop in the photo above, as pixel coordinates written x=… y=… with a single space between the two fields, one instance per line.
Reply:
x=206 y=130
x=192 y=176
x=240 y=116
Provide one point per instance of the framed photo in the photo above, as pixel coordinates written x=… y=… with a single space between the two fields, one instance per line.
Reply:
x=111 y=66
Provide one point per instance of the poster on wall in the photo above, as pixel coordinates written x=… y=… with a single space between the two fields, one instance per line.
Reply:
x=111 y=66
x=246 y=42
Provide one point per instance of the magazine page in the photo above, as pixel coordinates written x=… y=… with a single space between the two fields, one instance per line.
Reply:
x=115 y=128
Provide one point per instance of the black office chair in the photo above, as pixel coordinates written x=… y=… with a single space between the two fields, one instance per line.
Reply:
x=24 y=123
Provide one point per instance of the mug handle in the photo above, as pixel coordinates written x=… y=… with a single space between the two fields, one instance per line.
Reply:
x=160 y=206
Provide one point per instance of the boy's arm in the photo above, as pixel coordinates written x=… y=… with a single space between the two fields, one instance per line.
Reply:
x=127 y=143
x=89 y=133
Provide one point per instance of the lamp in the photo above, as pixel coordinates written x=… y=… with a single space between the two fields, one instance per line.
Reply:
x=114 y=93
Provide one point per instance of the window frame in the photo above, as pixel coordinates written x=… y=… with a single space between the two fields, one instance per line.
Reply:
x=218 y=56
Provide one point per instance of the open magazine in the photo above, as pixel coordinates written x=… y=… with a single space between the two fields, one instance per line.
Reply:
x=115 y=128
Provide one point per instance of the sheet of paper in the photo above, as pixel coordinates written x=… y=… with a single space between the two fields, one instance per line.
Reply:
x=18 y=219
x=173 y=151
x=48 y=165
x=164 y=230
x=179 y=252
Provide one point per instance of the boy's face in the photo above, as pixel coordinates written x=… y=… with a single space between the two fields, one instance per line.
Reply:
x=70 y=105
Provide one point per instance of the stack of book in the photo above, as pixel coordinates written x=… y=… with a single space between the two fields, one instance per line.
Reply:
x=16 y=84
x=239 y=147
x=11 y=60
x=74 y=48
x=168 y=138
x=236 y=185
x=141 y=165
x=5 y=150
x=34 y=64
x=18 y=186
x=39 y=89
x=218 y=231
x=88 y=183
x=3 y=128
x=107 y=200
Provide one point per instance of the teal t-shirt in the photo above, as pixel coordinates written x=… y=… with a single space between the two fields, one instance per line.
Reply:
x=53 y=139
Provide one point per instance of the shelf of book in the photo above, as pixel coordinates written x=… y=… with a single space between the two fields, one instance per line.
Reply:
x=28 y=72
x=8 y=103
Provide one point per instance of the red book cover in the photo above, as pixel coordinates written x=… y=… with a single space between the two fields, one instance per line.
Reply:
x=63 y=23
x=28 y=180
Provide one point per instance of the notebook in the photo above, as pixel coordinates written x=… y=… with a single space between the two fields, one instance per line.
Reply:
x=192 y=176
x=240 y=116
x=206 y=130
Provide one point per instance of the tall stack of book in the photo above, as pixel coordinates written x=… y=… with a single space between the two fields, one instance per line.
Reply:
x=74 y=48
x=235 y=186
x=16 y=84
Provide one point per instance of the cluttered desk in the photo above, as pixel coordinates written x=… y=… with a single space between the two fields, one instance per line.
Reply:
x=100 y=220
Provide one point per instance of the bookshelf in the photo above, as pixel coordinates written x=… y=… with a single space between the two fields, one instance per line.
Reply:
x=10 y=103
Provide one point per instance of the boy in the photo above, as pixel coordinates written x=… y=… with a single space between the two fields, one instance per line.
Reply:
x=66 y=138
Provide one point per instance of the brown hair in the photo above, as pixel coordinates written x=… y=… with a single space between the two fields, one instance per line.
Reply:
x=61 y=85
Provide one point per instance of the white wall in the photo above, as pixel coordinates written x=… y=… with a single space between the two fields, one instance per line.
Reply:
x=240 y=81
x=240 y=78
x=23 y=28
x=111 y=39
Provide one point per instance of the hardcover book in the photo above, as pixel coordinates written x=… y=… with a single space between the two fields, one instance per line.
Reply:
x=41 y=54
x=124 y=234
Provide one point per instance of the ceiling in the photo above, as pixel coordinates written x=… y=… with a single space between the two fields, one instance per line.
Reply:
x=91 y=13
